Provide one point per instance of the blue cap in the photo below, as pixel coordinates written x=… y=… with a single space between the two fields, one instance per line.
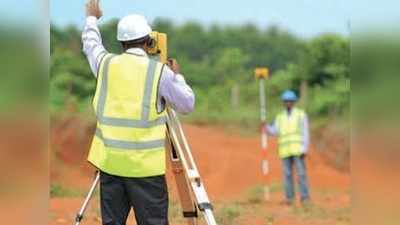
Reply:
x=289 y=95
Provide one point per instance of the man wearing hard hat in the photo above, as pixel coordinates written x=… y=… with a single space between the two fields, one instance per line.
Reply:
x=291 y=127
x=131 y=94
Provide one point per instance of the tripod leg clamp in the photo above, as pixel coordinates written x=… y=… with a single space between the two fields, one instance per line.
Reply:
x=78 y=218
x=190 y=214
x=205 y=205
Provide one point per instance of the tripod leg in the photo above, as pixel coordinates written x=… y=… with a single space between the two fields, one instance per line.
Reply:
x=81 y=212
x=188 y=204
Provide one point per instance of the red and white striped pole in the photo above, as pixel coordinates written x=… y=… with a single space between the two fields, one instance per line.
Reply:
x=262 y=74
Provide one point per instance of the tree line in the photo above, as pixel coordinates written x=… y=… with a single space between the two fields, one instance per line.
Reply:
x=217 y=59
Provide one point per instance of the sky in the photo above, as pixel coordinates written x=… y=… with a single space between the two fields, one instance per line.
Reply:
x=302 y=17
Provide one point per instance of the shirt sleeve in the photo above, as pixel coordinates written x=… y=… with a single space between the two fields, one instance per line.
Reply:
x=272 y=129
x=92 y=44
x=174 y=90
x=306 y=135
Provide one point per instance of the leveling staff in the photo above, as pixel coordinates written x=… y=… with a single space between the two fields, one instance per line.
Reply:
x=131 y=94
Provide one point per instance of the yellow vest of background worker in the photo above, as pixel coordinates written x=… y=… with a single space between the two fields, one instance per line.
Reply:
x=290 y=138
x=130 y=133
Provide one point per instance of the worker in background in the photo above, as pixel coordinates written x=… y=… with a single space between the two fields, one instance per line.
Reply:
x=291 y=128
x=131 y=95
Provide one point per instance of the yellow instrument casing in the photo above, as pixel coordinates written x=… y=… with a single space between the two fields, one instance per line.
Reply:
x=261 y=72
x=159 y=48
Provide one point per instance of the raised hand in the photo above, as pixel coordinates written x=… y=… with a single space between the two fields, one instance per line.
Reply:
x=173 y=64
x=93 y=9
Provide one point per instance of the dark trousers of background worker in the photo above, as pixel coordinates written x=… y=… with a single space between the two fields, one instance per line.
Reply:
x=147 y=196
x=299 y=163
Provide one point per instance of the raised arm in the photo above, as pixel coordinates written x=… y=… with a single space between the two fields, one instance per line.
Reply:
x=91 y=37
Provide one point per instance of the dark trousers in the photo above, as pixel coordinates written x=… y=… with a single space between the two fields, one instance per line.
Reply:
x=147 y=196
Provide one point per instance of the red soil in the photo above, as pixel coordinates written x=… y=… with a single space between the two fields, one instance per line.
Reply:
x=228 y=163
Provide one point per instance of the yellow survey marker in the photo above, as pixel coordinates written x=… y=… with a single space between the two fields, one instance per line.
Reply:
x=261 y=72
x=159 y=46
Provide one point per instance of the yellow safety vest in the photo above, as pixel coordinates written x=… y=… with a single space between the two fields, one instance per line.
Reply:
x=130 y=133
x=290 y=138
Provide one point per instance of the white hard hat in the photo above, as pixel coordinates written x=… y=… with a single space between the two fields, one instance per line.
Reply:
x=133 y=27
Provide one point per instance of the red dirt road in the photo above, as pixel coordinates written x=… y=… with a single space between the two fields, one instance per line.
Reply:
x=228 y=163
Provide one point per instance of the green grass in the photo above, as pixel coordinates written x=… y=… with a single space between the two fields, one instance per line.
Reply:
x=175 y=212
x=313 y=211
x=310 y=212
x=256 y=193
x=227 y=214
x=276 y=187
x=269 y=219
x=231 y=213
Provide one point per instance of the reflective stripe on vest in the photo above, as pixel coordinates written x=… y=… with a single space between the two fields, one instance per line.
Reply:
x=130 y=134
x=129 y=145
x=144 y=121
x=290 y=134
